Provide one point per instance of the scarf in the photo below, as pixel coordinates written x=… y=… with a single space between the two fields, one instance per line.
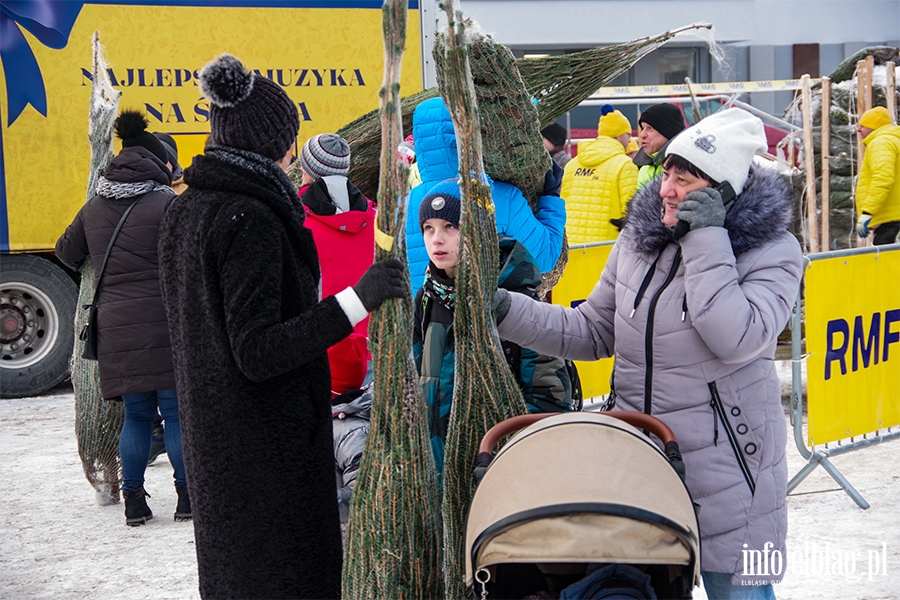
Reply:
x=439 y=287
x=122 y=189
x=258 y=165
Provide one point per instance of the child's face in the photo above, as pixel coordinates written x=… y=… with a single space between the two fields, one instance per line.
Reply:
x=442 y=244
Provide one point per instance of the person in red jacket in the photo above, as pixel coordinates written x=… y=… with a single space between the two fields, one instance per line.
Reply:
x=342 y=221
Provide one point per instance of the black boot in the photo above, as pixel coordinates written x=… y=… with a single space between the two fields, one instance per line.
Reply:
x=183 y=510
x=136 y=510
x=158 y=441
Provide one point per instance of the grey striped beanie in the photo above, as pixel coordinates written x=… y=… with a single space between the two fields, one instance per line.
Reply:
x=325 y=154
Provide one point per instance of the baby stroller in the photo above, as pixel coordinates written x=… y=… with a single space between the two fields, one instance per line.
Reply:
x=578 y=505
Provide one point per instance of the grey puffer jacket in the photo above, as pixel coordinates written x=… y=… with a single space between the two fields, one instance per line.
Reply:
x=350 y=426
x=693 y=325
x=135 y=353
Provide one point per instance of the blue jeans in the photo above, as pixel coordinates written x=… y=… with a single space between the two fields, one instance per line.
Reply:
x=718 y=587
x=137 y=431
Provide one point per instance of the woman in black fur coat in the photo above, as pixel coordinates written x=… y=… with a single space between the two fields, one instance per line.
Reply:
x=241 y=281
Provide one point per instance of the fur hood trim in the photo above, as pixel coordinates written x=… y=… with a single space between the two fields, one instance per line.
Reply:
x=761 y=213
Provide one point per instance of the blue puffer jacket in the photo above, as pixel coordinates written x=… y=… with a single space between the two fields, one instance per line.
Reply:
x=541 y=232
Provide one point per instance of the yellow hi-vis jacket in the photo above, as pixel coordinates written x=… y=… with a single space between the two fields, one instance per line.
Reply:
x=878 y=188
x=596 y=186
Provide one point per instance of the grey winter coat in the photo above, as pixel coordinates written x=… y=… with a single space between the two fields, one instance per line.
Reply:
x=350 y=426
x=134 y=352
x=696 y=349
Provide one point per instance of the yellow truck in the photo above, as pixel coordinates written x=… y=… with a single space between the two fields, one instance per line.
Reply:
x=326 y=55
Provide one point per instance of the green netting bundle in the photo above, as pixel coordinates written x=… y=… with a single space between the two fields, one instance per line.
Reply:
x=510 y=124
x=97 y=422
x=485 y=391
x=557 y=83
x=393 y=547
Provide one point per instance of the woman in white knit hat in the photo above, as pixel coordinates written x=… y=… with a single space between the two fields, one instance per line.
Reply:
x=691 y=302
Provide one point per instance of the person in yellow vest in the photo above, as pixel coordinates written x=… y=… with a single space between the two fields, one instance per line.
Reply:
x=878 y=188
x=599 y=181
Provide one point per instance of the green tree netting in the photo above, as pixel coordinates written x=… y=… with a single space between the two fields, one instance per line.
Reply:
x=558 y=84
x=510 y=124
x=97 y=422
x=485 y=391
x=394 y=538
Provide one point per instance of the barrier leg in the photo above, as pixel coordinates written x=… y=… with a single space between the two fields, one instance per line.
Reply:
x=842 y=481
x=820 y=459
x=804 y=472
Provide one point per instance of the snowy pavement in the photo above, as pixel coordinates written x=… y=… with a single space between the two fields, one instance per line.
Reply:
x=57 y=542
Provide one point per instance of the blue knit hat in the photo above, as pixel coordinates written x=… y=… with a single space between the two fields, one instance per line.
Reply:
x=441 y=202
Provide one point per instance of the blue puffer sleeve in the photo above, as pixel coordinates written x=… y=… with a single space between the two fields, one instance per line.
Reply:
x=416 y=254
x=541 y=232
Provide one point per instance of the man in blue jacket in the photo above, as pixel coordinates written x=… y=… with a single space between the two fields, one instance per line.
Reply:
x=541 y=231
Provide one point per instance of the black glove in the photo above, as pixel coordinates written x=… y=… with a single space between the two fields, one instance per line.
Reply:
x=553 y=180
x=500 y=305
x=702 y=208
x=385 y=279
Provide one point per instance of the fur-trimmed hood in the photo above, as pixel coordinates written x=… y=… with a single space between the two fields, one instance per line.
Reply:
x=761 y=213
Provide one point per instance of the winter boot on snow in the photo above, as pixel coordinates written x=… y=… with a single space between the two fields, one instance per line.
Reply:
x=136 y=510
x=183 y=510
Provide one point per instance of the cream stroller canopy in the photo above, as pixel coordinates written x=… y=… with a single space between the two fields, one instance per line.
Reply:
x=613 y=497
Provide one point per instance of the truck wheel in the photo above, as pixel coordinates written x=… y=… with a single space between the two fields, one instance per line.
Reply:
x=37 y=320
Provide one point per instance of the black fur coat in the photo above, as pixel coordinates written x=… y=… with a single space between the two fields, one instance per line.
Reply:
x=240 y=280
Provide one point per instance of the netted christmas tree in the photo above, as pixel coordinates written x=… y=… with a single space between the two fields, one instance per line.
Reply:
x=557 y=83
x=393 y=547
x=485 y=391
x=97 y=422
x=510 y=124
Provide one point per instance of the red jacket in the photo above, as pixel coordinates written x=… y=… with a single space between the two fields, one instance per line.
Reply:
x=346 y=245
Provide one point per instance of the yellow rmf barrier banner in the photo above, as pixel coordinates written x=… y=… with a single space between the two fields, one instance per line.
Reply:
x=853 y=345
x=586 y=262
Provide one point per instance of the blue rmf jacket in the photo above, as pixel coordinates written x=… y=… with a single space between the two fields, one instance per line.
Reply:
x=541 y=232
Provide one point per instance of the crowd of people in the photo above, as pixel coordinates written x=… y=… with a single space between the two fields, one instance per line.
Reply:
x=233 y=313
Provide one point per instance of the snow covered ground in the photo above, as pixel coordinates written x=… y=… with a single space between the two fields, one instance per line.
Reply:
x=57 y=542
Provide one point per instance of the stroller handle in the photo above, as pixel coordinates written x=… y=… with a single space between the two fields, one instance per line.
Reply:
x=636 y=419
x=514 y=424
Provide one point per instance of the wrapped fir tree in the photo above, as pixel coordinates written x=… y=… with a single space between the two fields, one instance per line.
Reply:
x=97 y=422
x=393 y=547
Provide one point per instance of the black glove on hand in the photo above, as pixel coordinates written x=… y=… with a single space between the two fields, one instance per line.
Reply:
x=500 y=305
x=702 y=208
x=553 y=180
x=385 y=279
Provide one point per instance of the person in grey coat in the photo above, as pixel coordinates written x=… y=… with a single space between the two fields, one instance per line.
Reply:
x=350 y=414
x=691 y=303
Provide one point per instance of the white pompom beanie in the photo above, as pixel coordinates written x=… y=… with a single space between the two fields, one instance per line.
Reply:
x=722 y=145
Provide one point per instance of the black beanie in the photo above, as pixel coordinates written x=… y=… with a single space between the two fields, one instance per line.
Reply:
x=248 y=111
x=555 y=134
x=441 y=202
x=170 y=145
x=131 y=127
x=665 y=118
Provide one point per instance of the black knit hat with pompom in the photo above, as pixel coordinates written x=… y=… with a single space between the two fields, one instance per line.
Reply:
x=131 y=127
x=248 y=111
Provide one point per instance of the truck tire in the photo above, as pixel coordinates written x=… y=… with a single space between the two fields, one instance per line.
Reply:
x=37 y=321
